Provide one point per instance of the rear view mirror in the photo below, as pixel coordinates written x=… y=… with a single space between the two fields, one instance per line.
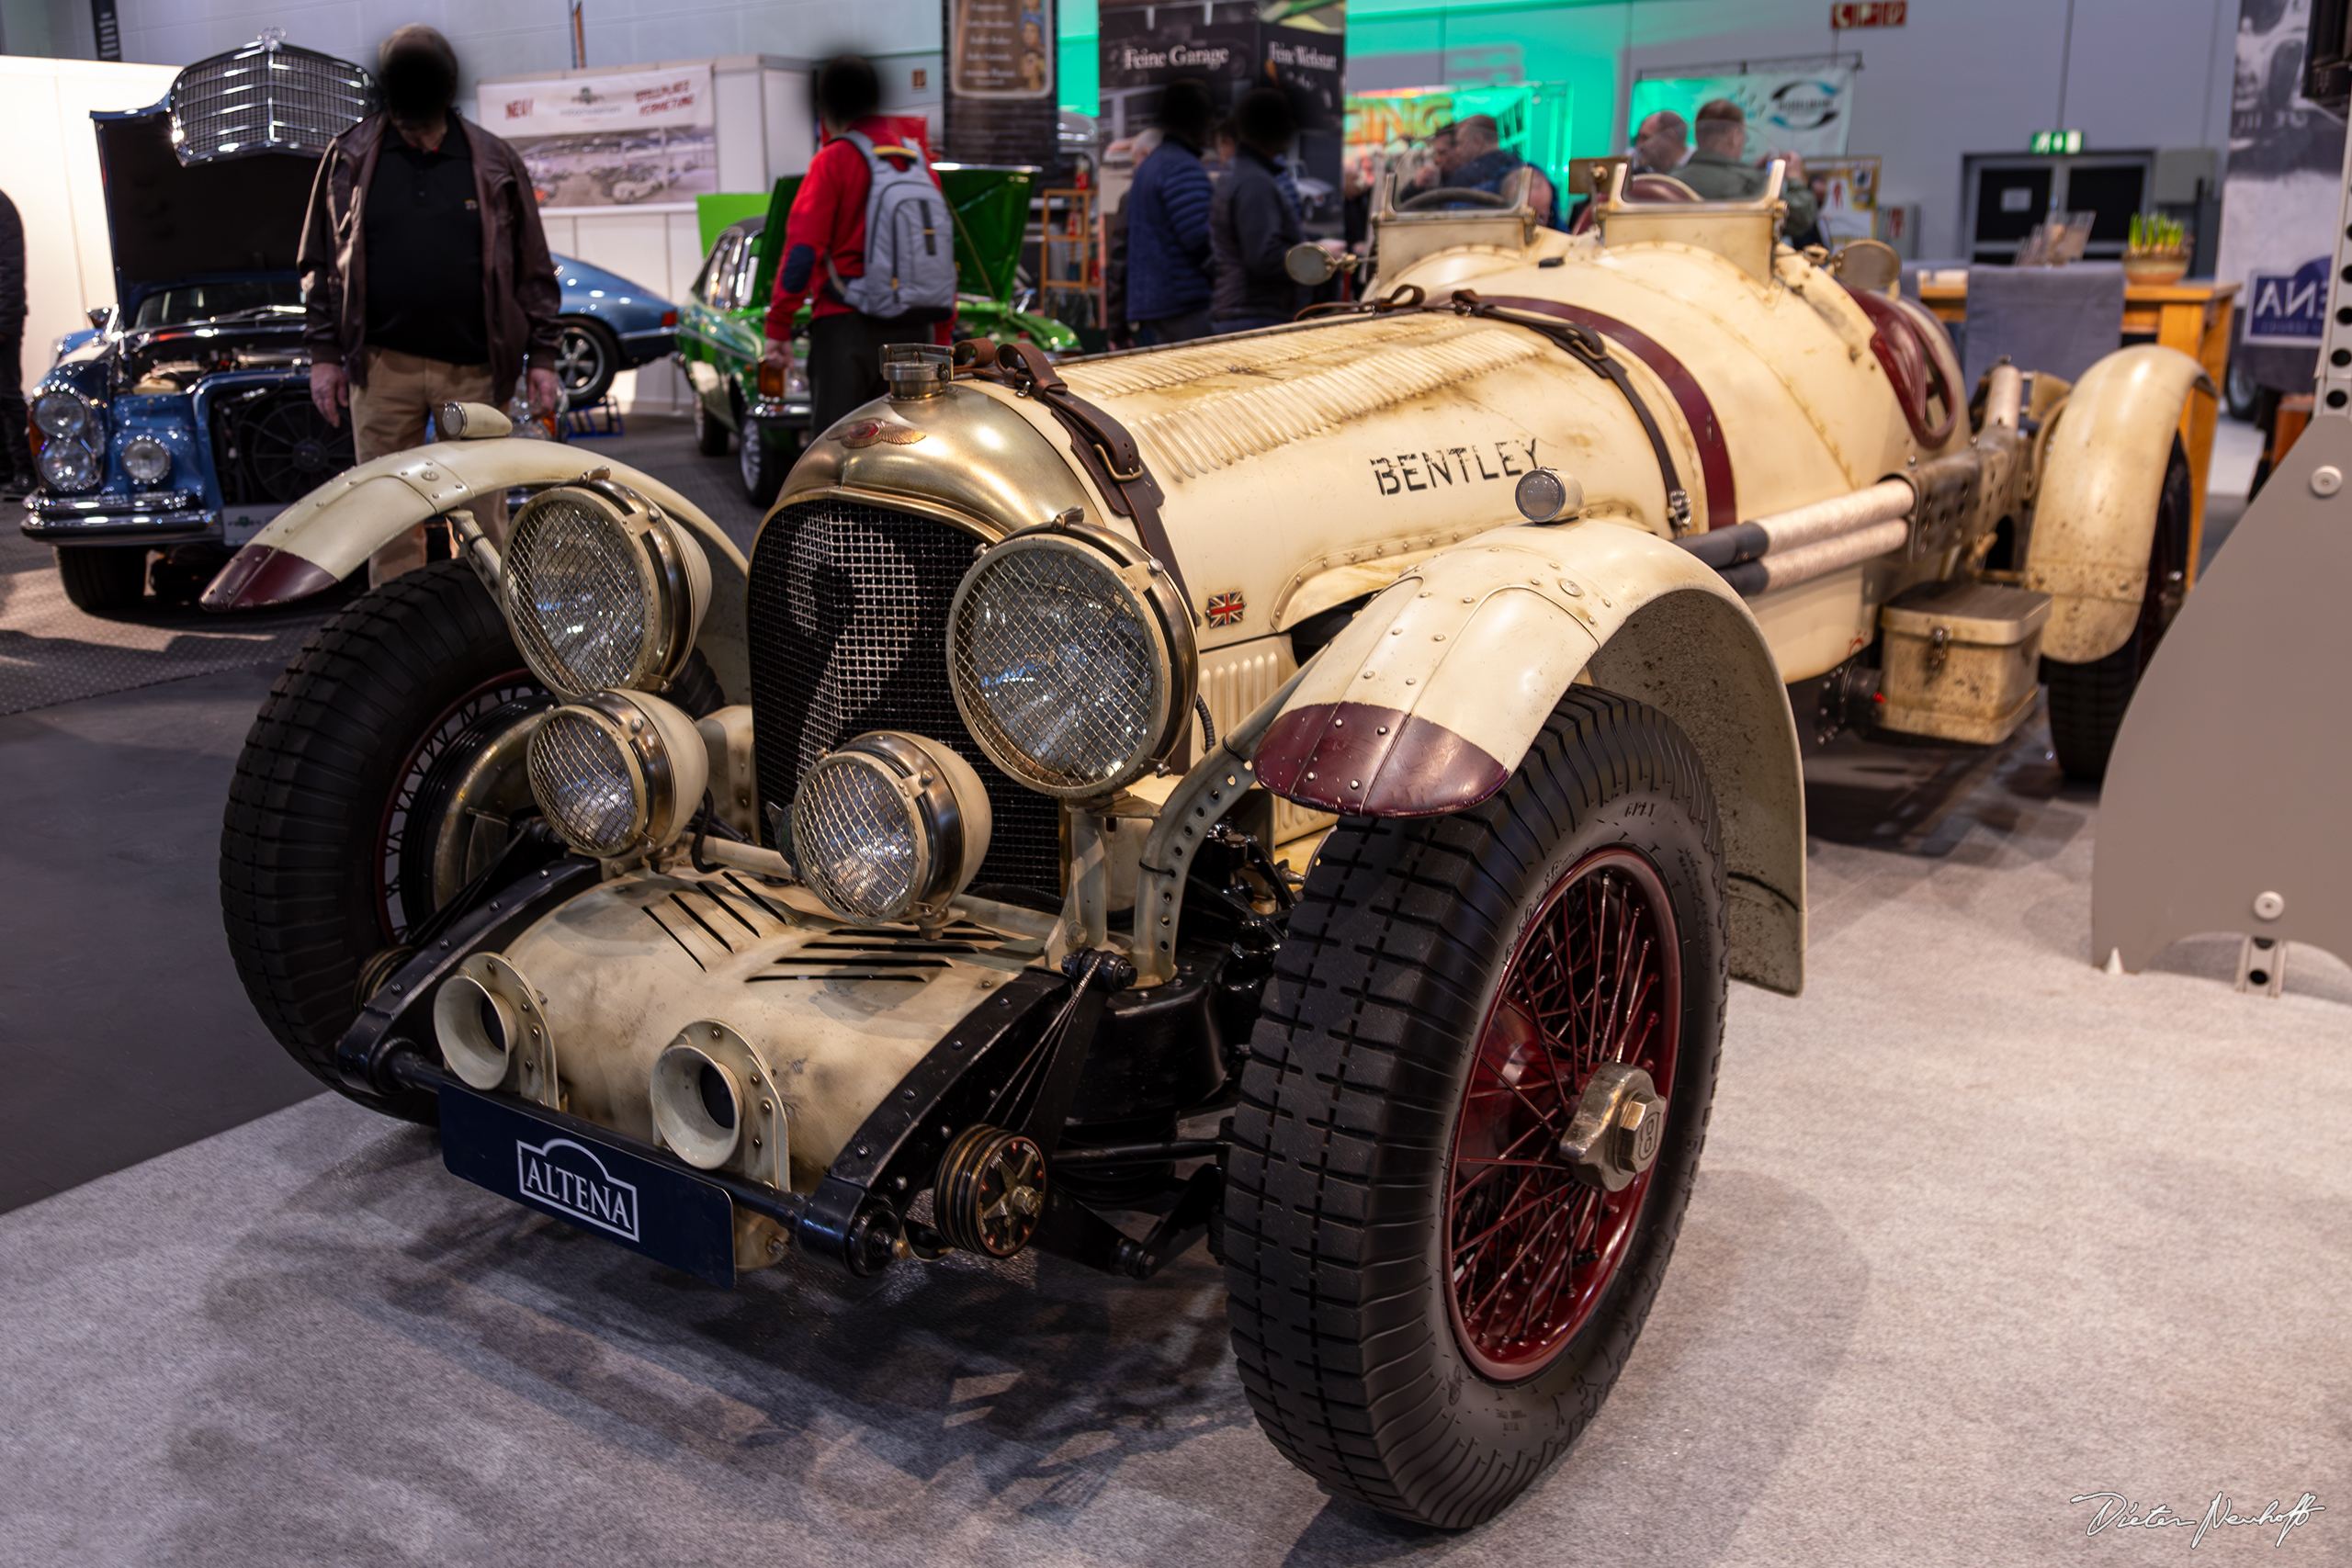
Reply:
x=1309 y=263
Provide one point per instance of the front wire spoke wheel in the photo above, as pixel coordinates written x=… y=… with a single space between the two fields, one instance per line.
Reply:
x=1532 y=1248
x=1472 y=1115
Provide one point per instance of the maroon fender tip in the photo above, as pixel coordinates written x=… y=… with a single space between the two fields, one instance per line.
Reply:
x=1362 y=760
x=259 y=576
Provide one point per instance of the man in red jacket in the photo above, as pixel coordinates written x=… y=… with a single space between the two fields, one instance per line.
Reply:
x=824 y=240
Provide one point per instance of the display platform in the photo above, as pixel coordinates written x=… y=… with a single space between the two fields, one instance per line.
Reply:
x=1980 y=1230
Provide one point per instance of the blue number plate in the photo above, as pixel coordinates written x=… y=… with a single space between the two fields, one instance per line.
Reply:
x=555 y=1167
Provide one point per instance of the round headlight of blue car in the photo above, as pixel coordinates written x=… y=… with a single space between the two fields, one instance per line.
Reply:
x=146 y=459
x=69 y=465
x=60 y=414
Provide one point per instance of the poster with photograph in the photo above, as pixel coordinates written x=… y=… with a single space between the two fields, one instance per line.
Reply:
x=1804 y=112
x=617 y=141
x=1004 y=49
x=2278 y=203
x=1002 y=99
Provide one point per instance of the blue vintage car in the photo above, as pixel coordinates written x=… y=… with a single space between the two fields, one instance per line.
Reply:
x=182 y=422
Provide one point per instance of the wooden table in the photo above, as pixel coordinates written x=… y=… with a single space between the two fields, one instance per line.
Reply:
x=2192 y=316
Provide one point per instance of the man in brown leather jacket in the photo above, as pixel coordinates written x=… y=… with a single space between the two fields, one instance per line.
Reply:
x=425 y=270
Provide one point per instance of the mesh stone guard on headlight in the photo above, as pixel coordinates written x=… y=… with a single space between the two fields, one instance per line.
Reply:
x=1071 y=659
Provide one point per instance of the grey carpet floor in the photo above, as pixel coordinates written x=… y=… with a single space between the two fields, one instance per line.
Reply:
x=1980 y=1229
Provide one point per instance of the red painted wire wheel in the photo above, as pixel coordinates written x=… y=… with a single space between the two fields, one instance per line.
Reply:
x=1429 y=1303
x=1531 y=1250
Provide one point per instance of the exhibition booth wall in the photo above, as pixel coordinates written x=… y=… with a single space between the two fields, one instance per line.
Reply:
x=47 y=104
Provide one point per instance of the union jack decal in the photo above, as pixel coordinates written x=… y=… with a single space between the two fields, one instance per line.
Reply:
x=1225 y=609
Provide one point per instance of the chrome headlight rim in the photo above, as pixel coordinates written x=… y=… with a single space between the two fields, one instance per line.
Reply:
x=672 y=586
x=59 y=451
x=149 y=453
x=1158 y=607
x=52 y=408
x=664 y=765
x=944 y=811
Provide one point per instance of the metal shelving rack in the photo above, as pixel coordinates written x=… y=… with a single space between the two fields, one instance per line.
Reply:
x=1072 y=256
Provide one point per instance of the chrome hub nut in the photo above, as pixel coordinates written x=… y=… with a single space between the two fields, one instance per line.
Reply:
x=1617 y=1131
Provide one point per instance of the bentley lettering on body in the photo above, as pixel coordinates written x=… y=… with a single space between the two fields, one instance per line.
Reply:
x=1484 y=460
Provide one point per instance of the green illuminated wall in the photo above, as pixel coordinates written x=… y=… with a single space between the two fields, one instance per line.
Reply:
x=1399 y=43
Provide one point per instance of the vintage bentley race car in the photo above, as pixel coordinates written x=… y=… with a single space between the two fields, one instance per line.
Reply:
x=1305 y=790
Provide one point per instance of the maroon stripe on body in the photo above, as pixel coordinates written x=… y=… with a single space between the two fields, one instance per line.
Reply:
x=1714 y=461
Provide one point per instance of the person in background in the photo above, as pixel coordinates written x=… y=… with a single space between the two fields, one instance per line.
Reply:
x=1483 y=163
x=1438 y=156
x=1661 y=143
x=425 y=273
x=17 y=476
x=1715 y=172
x=824 y=240
x=1253 y=224
x=1168 y=280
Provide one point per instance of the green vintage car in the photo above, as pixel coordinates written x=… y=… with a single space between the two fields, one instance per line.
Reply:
x=720 y=333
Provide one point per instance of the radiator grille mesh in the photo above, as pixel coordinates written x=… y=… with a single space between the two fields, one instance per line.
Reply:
x=848 y=621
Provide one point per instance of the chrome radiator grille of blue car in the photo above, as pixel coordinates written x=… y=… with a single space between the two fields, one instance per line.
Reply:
x=268 y=96
x=848 y=618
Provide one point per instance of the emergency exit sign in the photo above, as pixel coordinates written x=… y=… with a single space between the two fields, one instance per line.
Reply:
x=1868 y=13
x=2057 y=141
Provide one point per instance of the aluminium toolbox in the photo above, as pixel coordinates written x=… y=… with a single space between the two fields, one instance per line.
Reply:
x=1962 y=659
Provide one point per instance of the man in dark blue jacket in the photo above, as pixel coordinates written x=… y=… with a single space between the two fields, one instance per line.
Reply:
x=1168 y=281
x=1252 y=225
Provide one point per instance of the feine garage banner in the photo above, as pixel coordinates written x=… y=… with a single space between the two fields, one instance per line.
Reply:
x=610 y=140
x=1804 y=112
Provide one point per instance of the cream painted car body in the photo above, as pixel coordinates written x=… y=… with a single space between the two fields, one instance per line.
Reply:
x=1365 y=458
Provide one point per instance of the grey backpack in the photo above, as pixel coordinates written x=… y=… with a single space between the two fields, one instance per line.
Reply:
x=910 y=241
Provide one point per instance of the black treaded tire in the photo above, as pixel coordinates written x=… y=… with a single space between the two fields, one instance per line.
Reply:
x=2088 y=701
x=764 y=456
x=103 y=578
x=710 y=433
x=1339 y=1155
x=302 y=884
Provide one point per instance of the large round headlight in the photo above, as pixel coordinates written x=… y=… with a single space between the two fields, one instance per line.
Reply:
x=617 y=772
x=889 y=826
x=60 y=414
x=602 y=590
x=69 y=465
x=146 y=459
x=1072 y=659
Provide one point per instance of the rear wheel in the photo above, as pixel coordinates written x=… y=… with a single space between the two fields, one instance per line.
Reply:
x=384 y=771
x=102 y=578
x=1472 y=1116
x=587 y=357
x=710 y=433
x=2088 y=701
x=764 y=457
